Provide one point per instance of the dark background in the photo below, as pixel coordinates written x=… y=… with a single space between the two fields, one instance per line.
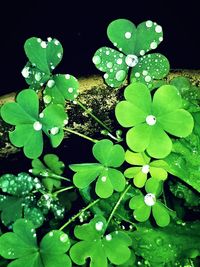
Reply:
x=81 y=28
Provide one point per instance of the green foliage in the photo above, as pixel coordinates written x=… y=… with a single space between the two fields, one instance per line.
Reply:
x=167 y=246
x=143 y=205
x=19 y=202
x=184 y=161
x=21 y=246
x=99 y=247
x=29 y=124
x=155 y=168
x=132 y=43
x=107 y=203
x=61 y=88
x=150 y=119
x=109 y=179
x=50 y=172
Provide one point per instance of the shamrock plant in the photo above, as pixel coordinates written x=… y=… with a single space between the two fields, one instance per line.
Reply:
x=30 y=124
x=21 y=246
x=143 y=205
x=151 y=119
x=109 y=178
x=99 y=247
x=156 y=168
x=133 y=43
x=139 y=198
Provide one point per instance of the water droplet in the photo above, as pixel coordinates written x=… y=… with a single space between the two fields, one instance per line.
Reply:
x=128 y=35
x=151 y=120
x=109 y=65
x=64 y=238
x=119 y=61
x=59 y=55
x=149 y=23
x=159 y=241
x=147 y=78
x=131 y=60
x=145 y=168
x=158 y=29
x=99 y=226
x=103 y=178
x=70 y=90
x=26 y=72
x=43 y=44
x=47 y=99
x=49 y=39
x=96 y=60
x=145 y=72
x=37 y=126
x=150 y=199
x=107 y=52
x=142 y=52
x=115 y=44
x=137 y=74
x=120 y=75
x=38 y=76
x=56 y=42
x=67 y=76
x=153 y=45
x=51 y=234
x=161 y=39
x=41 y=115
x=54 y=130
x=39 y=40
x=108 y=237
x=65 y=122
x=105 y=76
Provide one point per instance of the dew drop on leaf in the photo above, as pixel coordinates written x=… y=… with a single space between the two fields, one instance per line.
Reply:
x=120 y=75
x=43 y=44
x=108 y=237
x=64 y=238
x=131 y=60
x=96 y=60
x=145 y=169
x=37 y=126
x=99 y=226
x=50 y=83
x=150 y=199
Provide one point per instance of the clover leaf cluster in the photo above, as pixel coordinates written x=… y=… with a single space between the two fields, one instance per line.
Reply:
x=137 y=202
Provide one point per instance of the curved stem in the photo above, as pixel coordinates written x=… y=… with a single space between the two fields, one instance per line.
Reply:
x=93 y=116
x=58 y=177
x=79 y=134
x=117 y=204
x=78 y=214
x=63 y=190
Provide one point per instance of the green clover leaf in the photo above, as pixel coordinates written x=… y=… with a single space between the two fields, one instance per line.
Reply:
x=19 y=202
x=109 y=179
x=143 y=205
x=132 y=43
x=21 y=247
x=152 y=119
x=99 y=248
x=156 y=168
x=34 y=77
x=43 y=55
x=60 y=88
x=29 y=124
x=50 y=171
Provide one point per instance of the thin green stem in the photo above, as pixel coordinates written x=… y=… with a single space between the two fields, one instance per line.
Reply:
x=58 y=177
x=118 y=203
x=93 y=116
x=78 y=214
x=63 y=190
x=79 y=134
x=164 y=197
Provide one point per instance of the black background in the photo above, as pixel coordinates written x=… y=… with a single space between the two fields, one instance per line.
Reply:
x=81 y=28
